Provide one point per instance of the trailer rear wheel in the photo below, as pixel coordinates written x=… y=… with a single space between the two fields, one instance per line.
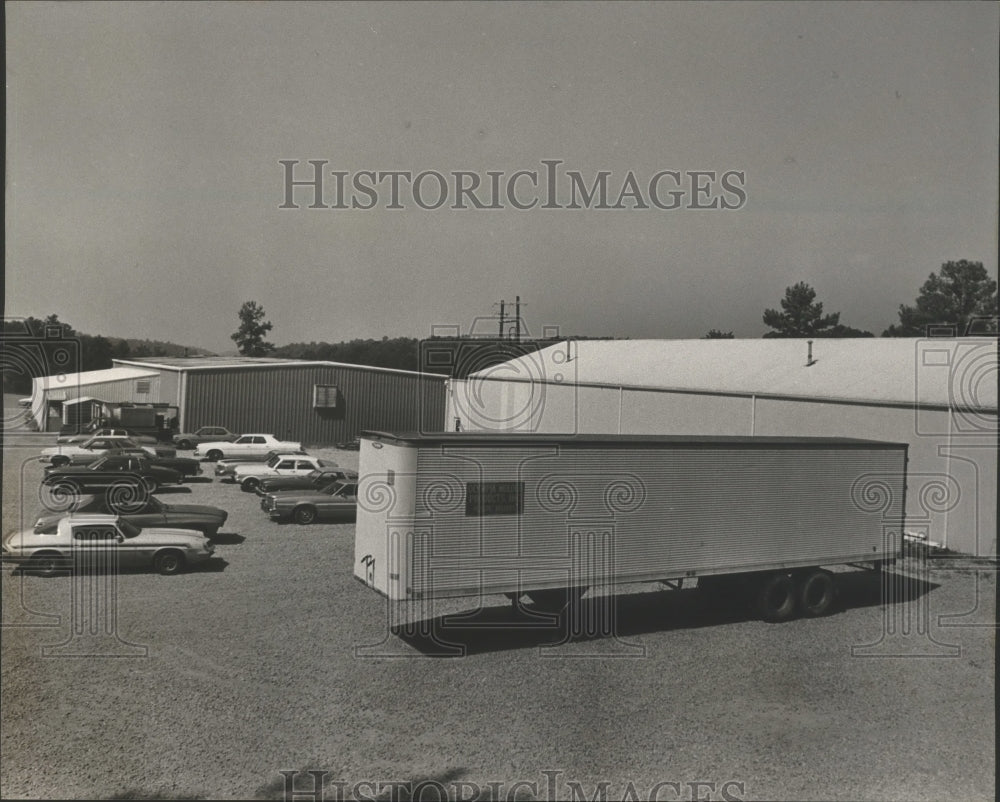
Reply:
x=776 y=598
x=816 y=593
x=555 y=600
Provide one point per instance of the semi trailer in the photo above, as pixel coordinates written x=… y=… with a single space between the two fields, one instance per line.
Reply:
x=457 y=514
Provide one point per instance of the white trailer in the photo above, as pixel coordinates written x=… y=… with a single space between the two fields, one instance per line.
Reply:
x=550 y=516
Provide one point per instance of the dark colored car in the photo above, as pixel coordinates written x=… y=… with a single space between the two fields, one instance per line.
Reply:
x=206 y=434
x=350 y=445
x=112 y=472
x=144 y=513
x=338 y=501
x=314 y=480
x=186 y=466
x=97 y=447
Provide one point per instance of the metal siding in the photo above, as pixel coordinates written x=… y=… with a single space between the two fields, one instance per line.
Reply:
x=279 y=401
x=650 y=513
x=951 y=501
x=169 y=392
x=113 y=391
x=941 y=503
x=686 y=413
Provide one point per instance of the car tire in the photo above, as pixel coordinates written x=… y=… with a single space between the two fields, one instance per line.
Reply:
x=249 y=485
x=45 y=564
x=185 y=445
x=151 y=485
x=304 y=515
x=169 y=562
x=214 y=455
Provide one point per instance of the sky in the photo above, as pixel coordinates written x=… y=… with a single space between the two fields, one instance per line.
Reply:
x=857 y=143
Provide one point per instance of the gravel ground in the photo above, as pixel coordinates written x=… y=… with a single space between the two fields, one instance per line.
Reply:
x=274 y=658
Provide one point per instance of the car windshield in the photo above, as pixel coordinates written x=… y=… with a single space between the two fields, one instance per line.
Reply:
x=274 y=460
x=128 y=529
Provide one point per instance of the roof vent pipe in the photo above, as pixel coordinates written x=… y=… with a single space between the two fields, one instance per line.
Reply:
x=809 y=357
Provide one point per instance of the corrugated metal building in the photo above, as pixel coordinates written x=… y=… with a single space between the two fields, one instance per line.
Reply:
x=317 y=403
x=937 y=395
x=134 y=384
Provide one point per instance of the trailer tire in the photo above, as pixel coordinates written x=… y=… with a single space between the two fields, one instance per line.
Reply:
x=816 y=593
x=776 y=598
x=555 y=600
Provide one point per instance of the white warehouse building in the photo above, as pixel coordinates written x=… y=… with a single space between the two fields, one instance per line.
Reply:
x=937 y=395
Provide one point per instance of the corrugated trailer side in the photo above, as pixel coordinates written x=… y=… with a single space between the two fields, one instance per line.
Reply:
x=514 y=513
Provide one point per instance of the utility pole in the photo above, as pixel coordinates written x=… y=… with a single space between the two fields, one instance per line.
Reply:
x=517 y=319
x=501 y=318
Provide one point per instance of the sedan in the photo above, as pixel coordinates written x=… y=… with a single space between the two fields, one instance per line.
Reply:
x=205 y=434
x=122 y=473
x=313 y=480
x=143 y=513
x=105 y=541
x=338 y=501
x=227 y=467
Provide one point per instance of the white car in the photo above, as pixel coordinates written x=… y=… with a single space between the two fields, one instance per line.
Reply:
x=248 y=475
x=76 y=439
x=247 y=445
x=90 y=450
x=106 y=541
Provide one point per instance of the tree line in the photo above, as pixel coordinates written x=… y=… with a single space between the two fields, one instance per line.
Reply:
x=959 y=300
x=34 y=347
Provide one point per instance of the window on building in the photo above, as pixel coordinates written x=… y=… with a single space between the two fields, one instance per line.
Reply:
x=324 y=396
x=142 y=387
x=494 y=498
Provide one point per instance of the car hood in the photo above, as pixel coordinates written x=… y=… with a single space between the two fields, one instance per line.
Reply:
x=172 y=533
x=25 y=538
x=293 y=497
x=70 y=470
x=195 y=509
x=66 y=448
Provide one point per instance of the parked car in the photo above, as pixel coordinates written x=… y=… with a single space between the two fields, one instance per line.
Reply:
x=206 y=434
x=338 y=500
x=141 y=439
x=247 y=445
x=313 y=480
x=350 y=445
x=107 y=540
x=225 y=467
x=143 y=513
x=112 y=471
x=248 y=475
x=90 y=450
x=188 y=466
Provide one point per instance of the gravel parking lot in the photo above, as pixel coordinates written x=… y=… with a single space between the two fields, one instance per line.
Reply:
x=211 y=683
